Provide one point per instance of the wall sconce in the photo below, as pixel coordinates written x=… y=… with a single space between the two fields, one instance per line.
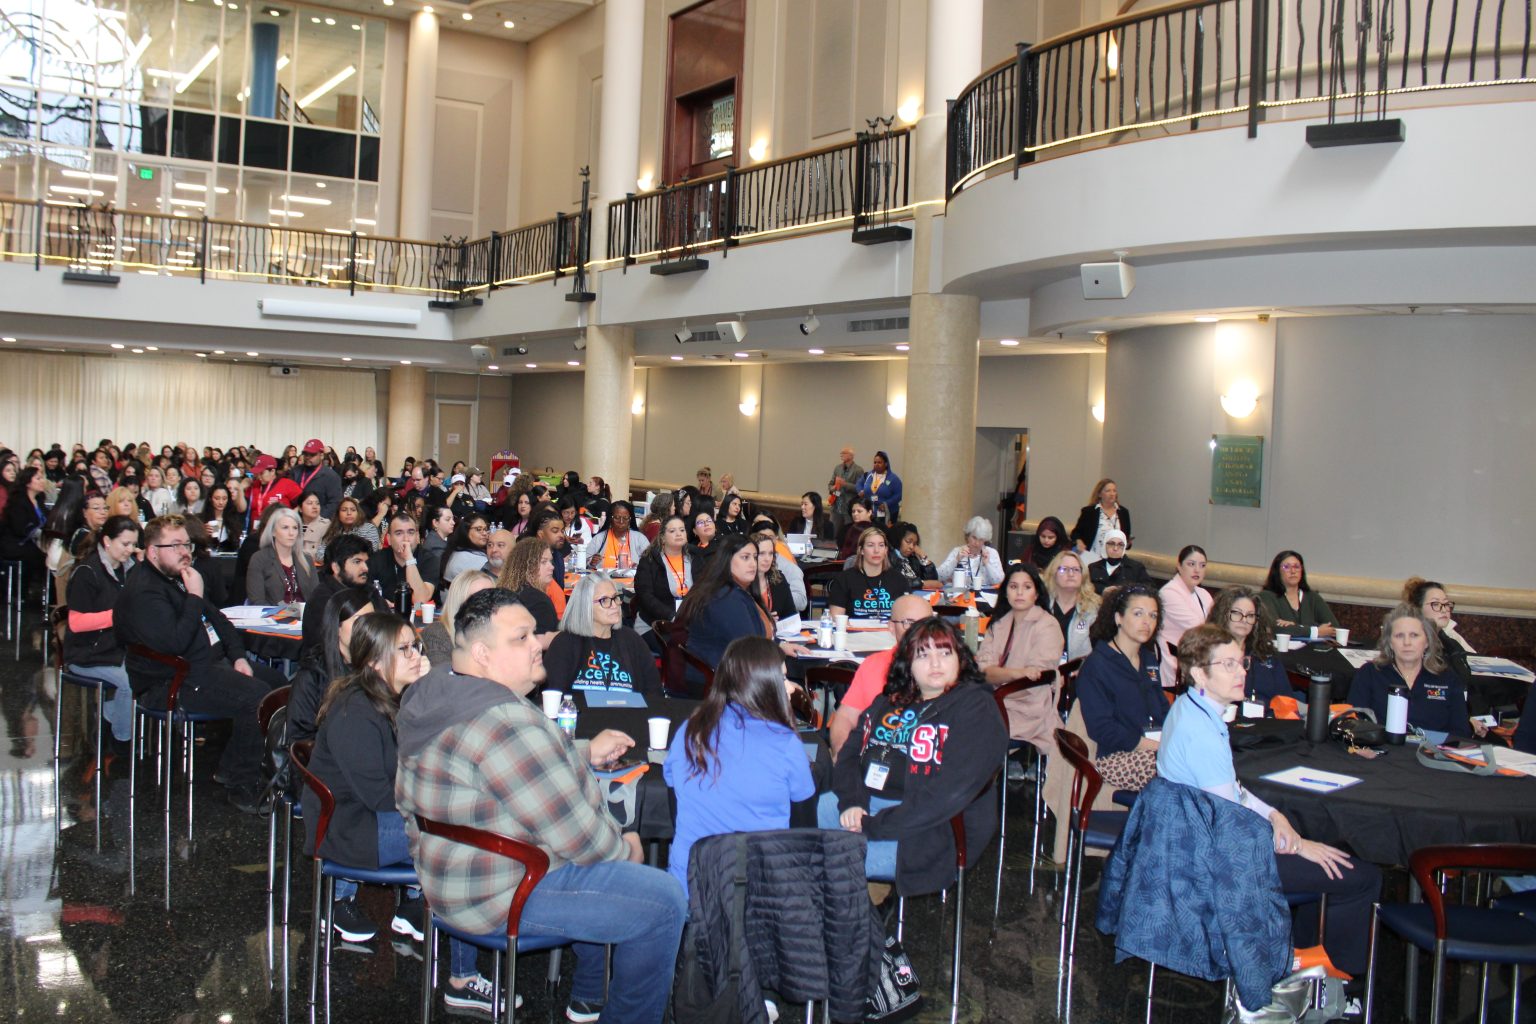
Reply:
x=1111 y=58
x=748 y=407
x=1240 y=400
x=638 y=406
x=897 y=409
x=1098 y=411
x=645 y=183
x=910 y=110
x=758 y=151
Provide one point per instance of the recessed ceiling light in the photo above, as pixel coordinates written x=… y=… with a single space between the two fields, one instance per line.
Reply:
x=8 y=340
x=405 y=362
x=1453 y=311
x=467 y=16
x=493 y=366
x=253 y=355
x=509 y=24
x=427 y=8
x=151 y=348
x=903 y=348
x=573 y=362
x=202 y=355
x=743 y=355
x=346 y=359
x=676 y=359
x=532 y=366
x=1009 y=342
x=137 y=351
x=817 y=351
x=1206 y=319
x=218 y=351
x=118 y=345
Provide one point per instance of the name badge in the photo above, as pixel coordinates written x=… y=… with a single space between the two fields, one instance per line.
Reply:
x=213 y=636
x=875 y=775
x=677 y=603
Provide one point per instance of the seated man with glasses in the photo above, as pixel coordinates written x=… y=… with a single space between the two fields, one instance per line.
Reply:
x=869 y=681
x=162 y=607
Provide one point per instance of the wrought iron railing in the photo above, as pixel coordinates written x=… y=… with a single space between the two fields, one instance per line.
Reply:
x=862 y=181
x=102 y=239
x=1217 y=63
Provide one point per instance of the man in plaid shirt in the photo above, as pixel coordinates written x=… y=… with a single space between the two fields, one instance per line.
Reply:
x=475 y=751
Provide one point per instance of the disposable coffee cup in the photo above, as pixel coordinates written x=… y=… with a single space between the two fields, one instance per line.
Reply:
x=428 y=612
x=962 y=580
x=1341 y=635
x=659 y=728
x=1282 y=642
x=552 y=699
x=840 y=622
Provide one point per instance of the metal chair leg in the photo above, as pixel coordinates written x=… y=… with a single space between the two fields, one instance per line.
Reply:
x=135 y=744
x=169 y=732
x=1436 y=985
x=1514 y=994
x=317 y=923
x=101 y=719
x=1151 y=978
x=1370 y=963
x=954 y=986
x=509 y=995
x=428 y=969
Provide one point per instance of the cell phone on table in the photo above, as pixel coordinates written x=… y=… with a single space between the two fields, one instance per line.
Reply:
x=623 y=765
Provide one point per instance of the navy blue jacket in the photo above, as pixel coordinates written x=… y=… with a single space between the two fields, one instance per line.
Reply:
x=730 y=615
x=1193 y=886
x=1267 y=679
x=1436 y=701
x=1120 y=703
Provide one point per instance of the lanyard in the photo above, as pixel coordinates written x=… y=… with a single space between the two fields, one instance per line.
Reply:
x=679 y=573
x=305 y=482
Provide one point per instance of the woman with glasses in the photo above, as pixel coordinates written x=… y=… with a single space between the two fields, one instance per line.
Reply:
x=1483 y=693
x=1239 y=611
x=594 y=651
x=355 y=754
x=1074 y=604
x=1195 y=751
x=620 y=545
x=1295 y=606
x=1409 y=656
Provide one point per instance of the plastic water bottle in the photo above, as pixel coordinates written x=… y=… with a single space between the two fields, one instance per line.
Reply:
x=565 y=718
x=824 y=631
x=972 y=620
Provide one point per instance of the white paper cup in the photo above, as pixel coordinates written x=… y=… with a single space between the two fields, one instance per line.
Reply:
x=1282 y=642
x=659 y=728
x=962 y=580
x=428 y=612
x=552 y=699
x=840 y=623
x=1341 y=635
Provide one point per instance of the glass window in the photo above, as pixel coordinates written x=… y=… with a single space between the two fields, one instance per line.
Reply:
x=65 y=119
x=372 y=112
x=18 y=112
x=266 y=145
x=67 y=177
x=195 y=54
x=110 y=113
x=368 y=158
x=234 y=76
x=16 y=170
x=192 y=135
x=66 y=45
x=118 y=50
x=326 y=203
x=317 y=151
x=147 y=129
x=269 y=62
x=326 y=82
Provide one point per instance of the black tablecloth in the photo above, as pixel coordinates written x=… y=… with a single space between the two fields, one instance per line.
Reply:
x=1398 y=806
x=657 y=808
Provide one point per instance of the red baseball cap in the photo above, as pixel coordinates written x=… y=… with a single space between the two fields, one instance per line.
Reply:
x=313 y=446
x=264 y=463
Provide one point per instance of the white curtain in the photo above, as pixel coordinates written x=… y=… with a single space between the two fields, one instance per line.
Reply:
x=66 y=398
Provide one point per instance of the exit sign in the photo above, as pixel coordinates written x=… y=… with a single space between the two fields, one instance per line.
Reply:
x=146 y=174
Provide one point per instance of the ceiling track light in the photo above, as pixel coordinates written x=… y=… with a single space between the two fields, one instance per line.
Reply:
x=682 y=334
x=809 y=325
x=736 y=329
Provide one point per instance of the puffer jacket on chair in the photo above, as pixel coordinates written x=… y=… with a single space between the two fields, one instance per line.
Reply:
x=1192 y=886
x=811 y=931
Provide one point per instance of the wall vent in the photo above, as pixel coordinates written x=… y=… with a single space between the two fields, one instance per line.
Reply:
x=888 y=323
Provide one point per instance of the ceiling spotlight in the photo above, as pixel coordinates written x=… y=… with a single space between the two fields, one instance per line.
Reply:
x=580 y=342
x=346 y=359
x=532 y=366
x=8 y=340
x=1206 y=319
x=138 y=351
x=737 y=329
x=683 y=334
x=1009 y=342
x=676 y=359
x=493 y=366
x=903 y=348
x=521 y=350
x=573 y=362
x=817 y=351
x=743 y=355
x=118 y=345
x=509 y=24
x=202 y=355
x=809 y=324
x=253 y=355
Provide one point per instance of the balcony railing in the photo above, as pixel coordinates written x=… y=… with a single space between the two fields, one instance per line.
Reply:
x=1219 y=63
x=101 y=239
x=863 y=182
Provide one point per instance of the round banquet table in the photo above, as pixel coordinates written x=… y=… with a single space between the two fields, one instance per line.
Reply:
x=1398 y=806
x=656 y=812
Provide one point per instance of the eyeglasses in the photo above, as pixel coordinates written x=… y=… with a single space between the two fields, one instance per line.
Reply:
x=1441 y=606
x=606 y=601
x=414 y=647
x=1236 y=616
x=185 y=545
x=905 y=624
x=1069 y=570
x=1231 y=664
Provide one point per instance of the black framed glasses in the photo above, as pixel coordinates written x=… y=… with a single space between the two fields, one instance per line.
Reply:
x=184 y=545
x=1441 y=606
x=1237 y=616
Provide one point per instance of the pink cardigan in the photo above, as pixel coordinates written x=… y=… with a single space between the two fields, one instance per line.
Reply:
x=1183 y=609
x=1037 y=643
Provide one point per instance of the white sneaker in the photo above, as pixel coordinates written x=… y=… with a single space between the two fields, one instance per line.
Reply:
x=773 y=1011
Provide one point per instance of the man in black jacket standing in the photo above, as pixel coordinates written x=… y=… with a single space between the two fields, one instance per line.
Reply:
x=315 y=477
x=162 y=607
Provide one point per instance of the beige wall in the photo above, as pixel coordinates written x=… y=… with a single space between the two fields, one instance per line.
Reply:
x=476 y=173
x=492 y=424
x=559 y=112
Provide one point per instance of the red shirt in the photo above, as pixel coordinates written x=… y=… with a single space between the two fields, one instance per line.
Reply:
x=869 y=681
x=281 y=491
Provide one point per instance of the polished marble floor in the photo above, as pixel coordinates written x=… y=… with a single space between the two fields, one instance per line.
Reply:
x=85 y=939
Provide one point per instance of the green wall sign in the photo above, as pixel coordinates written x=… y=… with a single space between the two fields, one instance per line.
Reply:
x=1237 y=469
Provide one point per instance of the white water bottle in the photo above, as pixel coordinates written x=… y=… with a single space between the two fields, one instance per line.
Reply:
x=565 y=718
x=1397 y=715
x=824 y=631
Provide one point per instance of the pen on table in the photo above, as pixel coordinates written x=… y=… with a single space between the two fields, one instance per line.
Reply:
x=1320 y=782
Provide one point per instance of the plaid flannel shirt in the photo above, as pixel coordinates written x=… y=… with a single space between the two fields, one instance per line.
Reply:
x=512 y=771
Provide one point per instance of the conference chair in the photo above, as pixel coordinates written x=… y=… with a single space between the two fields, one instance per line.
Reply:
x=1001 y=695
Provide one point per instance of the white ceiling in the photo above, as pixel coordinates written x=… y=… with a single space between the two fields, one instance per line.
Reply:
x=531 y=18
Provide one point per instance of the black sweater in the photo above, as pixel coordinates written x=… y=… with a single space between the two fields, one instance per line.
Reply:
x=93 y=588
x=355 y=755
x=935 y=779
x=158 y=612
x=1087 y=528
x=654 y=601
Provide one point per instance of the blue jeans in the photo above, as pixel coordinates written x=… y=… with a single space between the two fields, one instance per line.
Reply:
x=395 y=848
x=880 y=856
x=638 y=910
x=118 y=708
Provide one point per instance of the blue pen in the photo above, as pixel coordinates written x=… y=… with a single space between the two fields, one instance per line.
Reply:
x=1320 y=782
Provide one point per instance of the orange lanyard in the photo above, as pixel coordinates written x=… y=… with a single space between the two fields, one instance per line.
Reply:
x=678 y=574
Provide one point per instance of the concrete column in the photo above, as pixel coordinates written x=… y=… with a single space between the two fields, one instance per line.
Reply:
x=406 y=416
x=420 y=108
x=940 y=445
x=618 y=154
x=607 y=404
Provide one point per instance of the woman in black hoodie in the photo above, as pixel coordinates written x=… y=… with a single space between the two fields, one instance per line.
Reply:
x=90 y=642
x=927 y=749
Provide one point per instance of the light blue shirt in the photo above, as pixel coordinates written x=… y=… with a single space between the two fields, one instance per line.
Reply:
x=1195 y=751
